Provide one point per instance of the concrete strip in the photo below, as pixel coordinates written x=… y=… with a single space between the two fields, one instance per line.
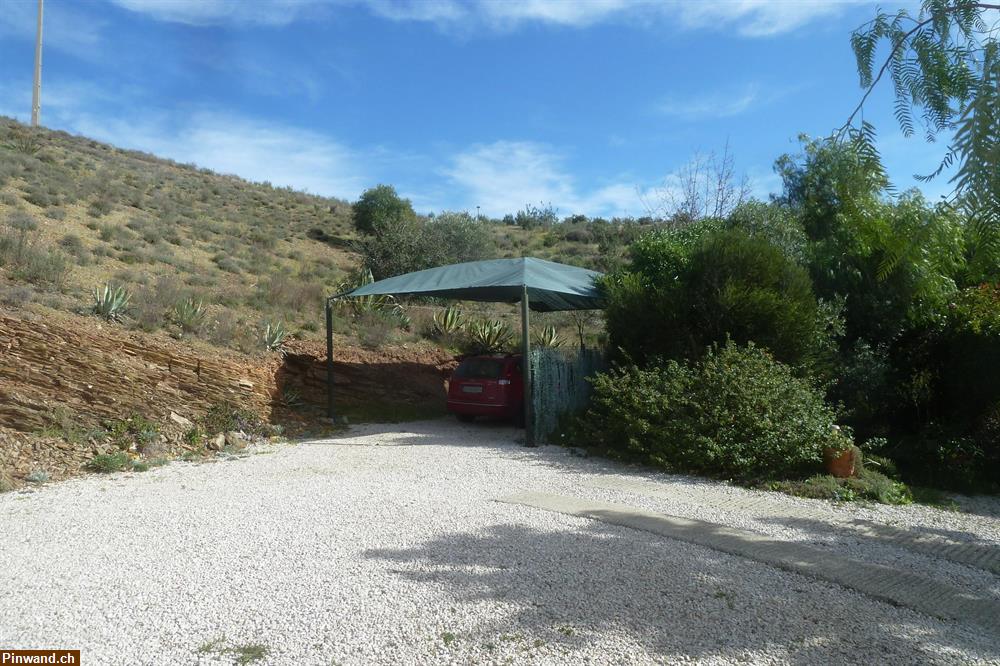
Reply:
x=981 y=556
x=884 y=583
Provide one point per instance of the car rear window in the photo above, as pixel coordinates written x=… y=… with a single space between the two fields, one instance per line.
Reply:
x=480 y=368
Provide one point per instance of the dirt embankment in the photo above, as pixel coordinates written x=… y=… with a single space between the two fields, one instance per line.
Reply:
x=95 y=371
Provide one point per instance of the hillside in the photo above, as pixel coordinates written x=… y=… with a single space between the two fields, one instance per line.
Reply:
x=80 y=214
x=77 y=214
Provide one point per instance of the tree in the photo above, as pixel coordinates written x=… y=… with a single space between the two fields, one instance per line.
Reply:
x=689 y=287
x=704 y=187
x=396 y=246
x=451 y=238
x=895 y=261
x=945 y=63
x=380 y=205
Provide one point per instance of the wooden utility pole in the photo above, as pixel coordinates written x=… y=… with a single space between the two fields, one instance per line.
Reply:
x=36 y=101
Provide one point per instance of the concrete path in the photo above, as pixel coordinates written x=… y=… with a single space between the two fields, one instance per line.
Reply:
x=983 y=556
x=881 y=582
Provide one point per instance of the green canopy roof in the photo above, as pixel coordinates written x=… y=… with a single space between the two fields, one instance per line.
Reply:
x=551 y=286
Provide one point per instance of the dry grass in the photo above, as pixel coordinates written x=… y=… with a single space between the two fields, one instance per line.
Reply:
x=165 y=231
x=170 y=233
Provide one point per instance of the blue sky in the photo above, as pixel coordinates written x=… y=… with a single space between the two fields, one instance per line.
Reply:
x=594 y=107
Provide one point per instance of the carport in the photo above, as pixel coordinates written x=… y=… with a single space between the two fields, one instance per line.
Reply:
x=543 y=286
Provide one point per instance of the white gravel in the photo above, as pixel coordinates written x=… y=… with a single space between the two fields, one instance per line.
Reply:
x=387 y=546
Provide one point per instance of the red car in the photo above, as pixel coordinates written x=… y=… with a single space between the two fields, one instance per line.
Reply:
x=487 y=386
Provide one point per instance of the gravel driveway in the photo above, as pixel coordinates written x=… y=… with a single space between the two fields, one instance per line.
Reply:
x=388 y=545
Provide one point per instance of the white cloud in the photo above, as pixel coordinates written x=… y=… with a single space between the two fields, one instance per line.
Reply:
x=753 y=18
x=757 y=18
x=250 y=148
x=211 y=12
x=504 y=176
x=713 y=105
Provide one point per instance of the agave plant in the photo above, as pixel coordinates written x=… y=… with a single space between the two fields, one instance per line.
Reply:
x=492 y=335
x=448 y=321
x=548 y=337
x=274 y=336
x=111 y=302
x=190 y=315
x=381 y=304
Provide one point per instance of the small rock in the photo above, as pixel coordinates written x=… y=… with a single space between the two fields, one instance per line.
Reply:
x=180 y=420
x=234 y=440
x=217 y=443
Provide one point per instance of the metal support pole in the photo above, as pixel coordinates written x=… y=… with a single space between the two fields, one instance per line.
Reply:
x=529 y=421
x=36 y=93
x=329 y=358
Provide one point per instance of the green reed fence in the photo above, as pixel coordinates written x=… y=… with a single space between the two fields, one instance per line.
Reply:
x=560 y=386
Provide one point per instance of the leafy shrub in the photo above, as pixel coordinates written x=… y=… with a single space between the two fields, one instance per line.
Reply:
x=27 y=258
x=291 y=294
x=946 y=377
x=72 y=244
x=868 y=485
x=107 y=463
x=452 y=238
x=133 y=432
x=737 y=414
x=403 y=245
x=15 y=296
x=226 y=417
x=111 y=303
x=695 y=287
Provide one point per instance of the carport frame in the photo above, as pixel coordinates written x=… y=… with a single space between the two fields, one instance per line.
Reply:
x=565 y=290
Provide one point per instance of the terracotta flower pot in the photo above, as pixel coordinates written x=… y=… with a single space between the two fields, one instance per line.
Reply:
x=841 y=463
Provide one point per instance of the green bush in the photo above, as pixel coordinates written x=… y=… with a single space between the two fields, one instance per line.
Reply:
x=866 y=486
x=684 y=292
x=133 y=432
x=380 y=205
x=401 y=245
x=226 y=417
x=109 y=462
x=747 y=289
x=946 y=421
x=735 y=414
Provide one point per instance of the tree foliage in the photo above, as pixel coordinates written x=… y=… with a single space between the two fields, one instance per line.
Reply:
x=688 y=288
x=401 y=245
x=944 y=64
x=380 y=205
x=895 y=261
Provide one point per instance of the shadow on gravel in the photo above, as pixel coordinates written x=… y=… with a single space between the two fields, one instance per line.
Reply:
x=565 y=587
